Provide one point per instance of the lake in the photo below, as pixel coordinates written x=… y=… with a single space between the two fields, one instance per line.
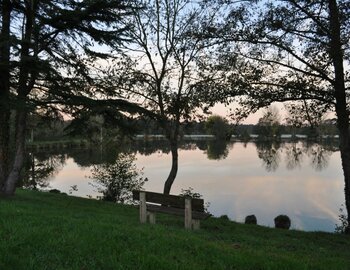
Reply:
x=300 y=179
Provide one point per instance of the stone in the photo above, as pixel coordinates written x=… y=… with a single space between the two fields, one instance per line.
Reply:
x=251 y=219
x=224 y=217
x=282 y=222
x=54 y=191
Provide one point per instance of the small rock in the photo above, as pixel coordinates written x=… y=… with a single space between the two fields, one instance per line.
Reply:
x=282 y=222
x=54 y=191
x=224 y=217
x=250 y=220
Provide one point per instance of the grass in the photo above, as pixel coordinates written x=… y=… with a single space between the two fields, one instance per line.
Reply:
x=53 y=231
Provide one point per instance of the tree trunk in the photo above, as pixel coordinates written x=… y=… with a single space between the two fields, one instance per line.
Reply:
x=174 y=166
x=4 y=90
x=4 y=146
x=345 y=159
x=13 y=178
x=336 y=52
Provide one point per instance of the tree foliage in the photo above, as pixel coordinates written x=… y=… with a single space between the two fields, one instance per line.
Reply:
x=116 y=181
x=287 y=51
x=218 y=126
x=279 y=51
x=48 y=63
x=268 y=125
x=159 y=67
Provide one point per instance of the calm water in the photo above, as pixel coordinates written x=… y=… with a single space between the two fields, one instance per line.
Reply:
x=303 y=181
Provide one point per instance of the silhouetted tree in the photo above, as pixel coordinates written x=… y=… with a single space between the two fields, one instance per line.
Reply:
x=47 y=55
x=218 y=126
x=288 y=51
x=160 y=67
x=268 y=125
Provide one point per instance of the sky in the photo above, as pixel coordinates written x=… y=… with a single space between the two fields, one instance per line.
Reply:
x=221 y=110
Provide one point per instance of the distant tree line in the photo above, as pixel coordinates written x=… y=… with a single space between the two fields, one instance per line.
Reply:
x=46 y=129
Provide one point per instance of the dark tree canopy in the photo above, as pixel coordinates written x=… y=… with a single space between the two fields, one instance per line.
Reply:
x=282 y=51
x=48 y=60
x=287 y=51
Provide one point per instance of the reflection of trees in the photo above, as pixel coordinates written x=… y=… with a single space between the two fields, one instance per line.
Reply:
x=217 y=149
x=94 y=155
x=40 y=167
x=148 y=147
x=106 y=153
x=294 y=155
x=202 y=145
x=319 y=156
x=269 y=153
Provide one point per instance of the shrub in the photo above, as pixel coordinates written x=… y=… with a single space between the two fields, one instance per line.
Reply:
x=116 y=181
x=189 y=192
x=343 y=227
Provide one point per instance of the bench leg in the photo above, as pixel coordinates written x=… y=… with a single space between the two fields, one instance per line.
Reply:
x=196 y=224
x=188 y=213
x=152 y=217
x=143 y=208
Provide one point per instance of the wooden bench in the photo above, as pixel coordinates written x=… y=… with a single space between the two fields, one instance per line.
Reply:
x=192 y=209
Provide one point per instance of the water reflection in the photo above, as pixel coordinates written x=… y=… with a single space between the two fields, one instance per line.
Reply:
x=319 y=155
x=39 y=168
x=294 y=153
x=300 y=179
x=270 y=154
x=217 y=149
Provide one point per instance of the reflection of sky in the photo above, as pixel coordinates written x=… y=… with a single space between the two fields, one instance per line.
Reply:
x=70 y=175
x=239 y=185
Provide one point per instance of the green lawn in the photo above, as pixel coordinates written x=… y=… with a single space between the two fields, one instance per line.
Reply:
x=53 y=231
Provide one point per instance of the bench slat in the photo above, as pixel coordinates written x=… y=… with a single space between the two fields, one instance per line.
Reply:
x=171 y=200
x=175 y=211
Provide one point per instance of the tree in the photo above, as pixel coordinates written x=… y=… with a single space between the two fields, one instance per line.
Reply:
x=301 y=114
x=218 y=126
x=290 y=51
x=47 y=52
x=160 y=66
x=117 y=181
x=39 y=168
x=269 y=124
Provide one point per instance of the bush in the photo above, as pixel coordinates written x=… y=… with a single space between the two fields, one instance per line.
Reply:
x=195 y=195
x=343 y=227
x=116 y=181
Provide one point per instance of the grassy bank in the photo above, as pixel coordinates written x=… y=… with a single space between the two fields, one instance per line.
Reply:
x=54 y=231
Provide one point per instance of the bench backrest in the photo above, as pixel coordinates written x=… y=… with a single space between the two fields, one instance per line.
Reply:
x=169 y=200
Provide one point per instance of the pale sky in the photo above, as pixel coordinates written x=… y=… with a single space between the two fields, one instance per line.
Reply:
x=221 y=110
